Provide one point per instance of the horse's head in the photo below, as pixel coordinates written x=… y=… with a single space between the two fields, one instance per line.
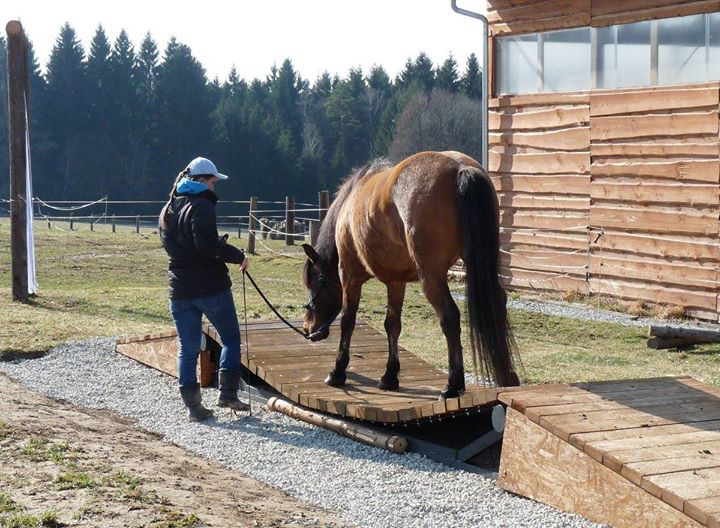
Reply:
x=325 y=295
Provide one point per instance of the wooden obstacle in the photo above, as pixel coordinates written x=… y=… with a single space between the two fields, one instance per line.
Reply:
x=296 y=368
x=643 y=453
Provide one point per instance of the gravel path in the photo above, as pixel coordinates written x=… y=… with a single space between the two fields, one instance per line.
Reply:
x=365 y=486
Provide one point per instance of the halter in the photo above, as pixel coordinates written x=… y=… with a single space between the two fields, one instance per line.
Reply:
x=310 y=305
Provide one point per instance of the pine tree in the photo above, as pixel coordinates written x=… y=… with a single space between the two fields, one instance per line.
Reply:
x=380 y=91
x=66 y=91
x=447 y=77
x=471 y=82
x=424 y=72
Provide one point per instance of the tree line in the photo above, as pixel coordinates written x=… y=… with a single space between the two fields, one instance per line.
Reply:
x=121 y=121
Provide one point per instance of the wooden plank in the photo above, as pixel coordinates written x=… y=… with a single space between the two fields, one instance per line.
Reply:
x=535 y=10
x=581 y=19
x=582 y=440
x=551 y=261
x=568 y=184
x=617 y=459
x=664 y=247
x=540 y=466
x=627 y=15
x=622 y=102
x=646 y=220
x=680 y=170
x=653 y=271
x=525 y=201
x=569 y=221
x=709 y=150
x=540 y=99
x=677 y=488
x=690 y=194
x=658 y=294
x=635 y=472
x=705 y=511
x=556 y=117
x=665 y=125
x=539 y=280
x=543 y=240
x=575 y=138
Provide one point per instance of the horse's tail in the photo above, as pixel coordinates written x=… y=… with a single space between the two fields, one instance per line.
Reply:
x=490 y=337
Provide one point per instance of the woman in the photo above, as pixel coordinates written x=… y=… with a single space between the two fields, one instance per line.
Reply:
x=200 y=283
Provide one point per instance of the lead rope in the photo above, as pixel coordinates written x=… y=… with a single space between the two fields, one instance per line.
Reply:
x=270 y=305
x=247 y=347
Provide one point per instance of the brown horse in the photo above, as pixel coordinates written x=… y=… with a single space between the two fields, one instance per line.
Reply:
x=407 y=223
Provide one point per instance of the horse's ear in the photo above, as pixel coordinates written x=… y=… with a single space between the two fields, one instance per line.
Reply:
x=311 y=253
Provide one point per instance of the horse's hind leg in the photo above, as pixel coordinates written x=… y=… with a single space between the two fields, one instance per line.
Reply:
x=393 y=325
x=351 y=302
x=438 y=294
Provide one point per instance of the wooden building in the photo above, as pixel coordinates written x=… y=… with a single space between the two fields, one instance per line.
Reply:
x=604 y=147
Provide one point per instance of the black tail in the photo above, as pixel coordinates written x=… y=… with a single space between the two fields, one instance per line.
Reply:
x=490 y=336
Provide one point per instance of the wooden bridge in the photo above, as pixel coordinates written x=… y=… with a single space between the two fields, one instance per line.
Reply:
x=637 y=453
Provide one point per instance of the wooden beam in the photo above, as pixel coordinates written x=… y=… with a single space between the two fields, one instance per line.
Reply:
x=18 y=96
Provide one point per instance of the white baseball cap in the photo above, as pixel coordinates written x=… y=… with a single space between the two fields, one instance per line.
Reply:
x=202 y=166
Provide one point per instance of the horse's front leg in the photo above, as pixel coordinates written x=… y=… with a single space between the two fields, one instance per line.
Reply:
x=393 y=325
x=351 y=302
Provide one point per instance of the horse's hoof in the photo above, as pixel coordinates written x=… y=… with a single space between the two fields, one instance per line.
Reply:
x=388 y=383
x=335 y=380
x=451 y=393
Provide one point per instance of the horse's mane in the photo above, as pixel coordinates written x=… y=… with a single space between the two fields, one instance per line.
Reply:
x=326 y=238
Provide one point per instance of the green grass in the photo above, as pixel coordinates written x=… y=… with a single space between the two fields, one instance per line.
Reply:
x=104 y=284
x=41 y=449
x=75 y=480
x=7 y=504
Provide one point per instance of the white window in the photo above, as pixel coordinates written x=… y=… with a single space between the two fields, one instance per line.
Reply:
x=566 y=60
x=683 y=53
x=518 y=68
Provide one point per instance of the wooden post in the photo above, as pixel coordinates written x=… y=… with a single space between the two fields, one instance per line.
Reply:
x=289 y=220
x=314 y=228
x=251 y=225
x=113 y=223
x=92 y=224
x=137 y=224
x=18 y=91
x=239 y=228
x=71 y=222
x=323 y=204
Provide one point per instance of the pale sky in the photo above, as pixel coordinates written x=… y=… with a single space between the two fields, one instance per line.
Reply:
x=316 y=35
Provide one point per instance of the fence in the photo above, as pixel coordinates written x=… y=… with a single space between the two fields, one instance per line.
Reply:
x=255 y=219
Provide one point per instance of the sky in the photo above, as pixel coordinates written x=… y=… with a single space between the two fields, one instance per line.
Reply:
x=317 y=35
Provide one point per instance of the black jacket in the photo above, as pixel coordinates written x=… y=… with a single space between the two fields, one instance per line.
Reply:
x=197 y=254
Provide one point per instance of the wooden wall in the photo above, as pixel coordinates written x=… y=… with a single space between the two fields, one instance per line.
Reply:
x=529 y=16
x=611 y=192
x=540 y=163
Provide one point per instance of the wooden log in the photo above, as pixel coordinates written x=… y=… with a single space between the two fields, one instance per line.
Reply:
x=323 y=204
x=289 y=221
x=18 y=91
x=691 y=335
x=662 y=343
x=314 y=230
x=252 y=225
x=396 y=444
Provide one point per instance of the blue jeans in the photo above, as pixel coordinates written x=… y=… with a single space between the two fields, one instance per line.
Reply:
x=220 y=311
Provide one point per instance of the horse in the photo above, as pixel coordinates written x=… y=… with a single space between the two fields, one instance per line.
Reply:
x=405 y=223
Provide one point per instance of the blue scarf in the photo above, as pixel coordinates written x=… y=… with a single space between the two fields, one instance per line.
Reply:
x=188 y=186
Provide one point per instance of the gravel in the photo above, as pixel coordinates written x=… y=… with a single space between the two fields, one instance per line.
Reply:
x=365 y=486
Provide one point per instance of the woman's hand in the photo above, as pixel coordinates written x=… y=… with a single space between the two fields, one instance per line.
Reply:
x=244 y=265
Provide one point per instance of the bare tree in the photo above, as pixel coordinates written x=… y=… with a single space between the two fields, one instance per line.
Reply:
x=443 y=121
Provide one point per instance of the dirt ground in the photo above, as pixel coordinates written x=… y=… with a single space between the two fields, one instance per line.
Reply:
x=63 y=465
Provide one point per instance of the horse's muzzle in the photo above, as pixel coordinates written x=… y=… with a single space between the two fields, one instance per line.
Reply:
x=321 y=334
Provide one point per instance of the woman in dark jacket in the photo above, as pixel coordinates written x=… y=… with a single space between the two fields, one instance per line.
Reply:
x=200 y=283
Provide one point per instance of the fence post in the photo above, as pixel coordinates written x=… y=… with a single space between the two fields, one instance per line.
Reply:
x=18 y=90
x=71 y=222
x=113 y=223
x=92 y=224
x=239 y=228
x=323 y=204
x=314 y=228
x=289 y=221
x=251 y=225
x=137 y=224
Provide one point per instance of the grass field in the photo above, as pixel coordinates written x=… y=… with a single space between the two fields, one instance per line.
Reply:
x=108 y=284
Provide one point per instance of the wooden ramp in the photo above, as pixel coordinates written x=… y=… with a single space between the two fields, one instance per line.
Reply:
x=641 y=453
x=296 y=368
